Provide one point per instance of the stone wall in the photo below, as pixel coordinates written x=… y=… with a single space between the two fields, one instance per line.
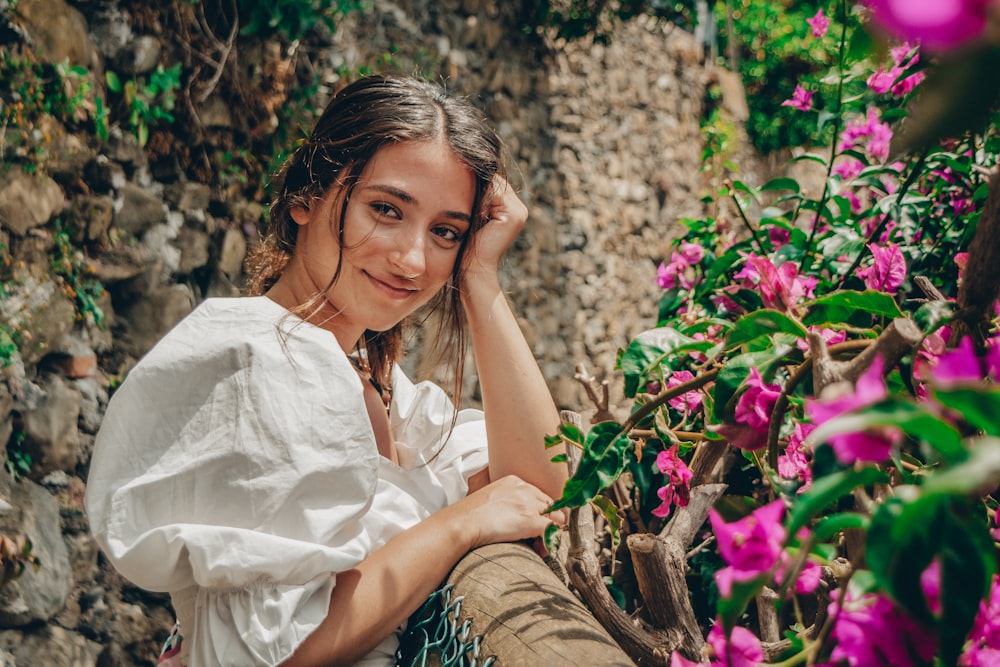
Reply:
x=605 y=146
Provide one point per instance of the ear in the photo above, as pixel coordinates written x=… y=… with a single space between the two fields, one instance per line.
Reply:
x=300 y=215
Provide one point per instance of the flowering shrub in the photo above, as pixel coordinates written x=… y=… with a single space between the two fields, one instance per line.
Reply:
x=818 y=359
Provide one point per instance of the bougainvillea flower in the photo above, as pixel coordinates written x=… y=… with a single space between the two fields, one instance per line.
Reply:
x=819 y=24
x=742 y=650
x=678 y=488
x=962 y=365
x=848 y=168
x=801 y=99
x=688 y=401
x=984 y=647
x=872 y=445
x=937 y=25
x=881 y=81
x=871 y=127
x=888 y=270
x=794 y=463
x=779 y=287
x=872 y=632
x=750 y=546
x=756 y=403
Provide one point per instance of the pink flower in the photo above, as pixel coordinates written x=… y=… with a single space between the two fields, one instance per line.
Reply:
x=692 y=252
x=688 y=401
x=779 y=287
x=756 y=403
x=666 y=276
x=872 y=632
x=881 y=81
x=678 y=489
x=742 y=650
x=887 y=272
x=848 y=168
x=963 y=366
x=906 y=86
x=984 y=649
x=871 y=128
x=801 y=99
x=874 y=445
x=750 y=546
x=819 y=24
x=937 y=24
x=930 y=584
x=794 y=463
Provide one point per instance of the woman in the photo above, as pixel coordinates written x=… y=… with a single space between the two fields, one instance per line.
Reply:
x=269 y=465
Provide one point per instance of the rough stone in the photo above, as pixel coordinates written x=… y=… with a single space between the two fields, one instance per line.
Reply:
x=58 y=31
x=28 y=201
x=156 y=314
x=57 y=647
x=138 y=210
x=37 y=594
x=50 y=430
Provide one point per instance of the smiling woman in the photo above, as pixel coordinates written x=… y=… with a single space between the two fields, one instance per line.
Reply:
x=269 y=465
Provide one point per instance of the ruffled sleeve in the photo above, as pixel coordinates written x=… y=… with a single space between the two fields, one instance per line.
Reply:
x=421 y=417
x=238 y=462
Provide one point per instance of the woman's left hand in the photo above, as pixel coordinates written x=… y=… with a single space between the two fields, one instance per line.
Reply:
x=506 y=215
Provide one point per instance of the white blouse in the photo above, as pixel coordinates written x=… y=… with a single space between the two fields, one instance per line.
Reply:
x=236 y=469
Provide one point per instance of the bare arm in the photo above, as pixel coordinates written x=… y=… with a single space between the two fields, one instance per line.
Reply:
x=372 y=600
x=519 y=409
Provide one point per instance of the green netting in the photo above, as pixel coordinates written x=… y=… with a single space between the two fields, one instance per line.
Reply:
x=434 y=636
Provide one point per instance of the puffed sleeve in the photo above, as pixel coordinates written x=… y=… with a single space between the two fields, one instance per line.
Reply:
x=421 y=416
x=237 y=462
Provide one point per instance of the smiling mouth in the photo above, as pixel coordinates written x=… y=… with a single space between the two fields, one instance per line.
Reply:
x=391 y=290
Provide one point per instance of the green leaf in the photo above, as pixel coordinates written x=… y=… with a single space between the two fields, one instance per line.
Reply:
x=551 y=538
x=979 y=472
x=912 y=418
x=114 y=83
x=781 y=183
x=834 y=524
x=762 y=323
x=644 y=355
x=825 y=491
x=602 y=462
x=842 y=305
x=930 y=316
x=980 y=406
x=731 y=608
x=613 y=522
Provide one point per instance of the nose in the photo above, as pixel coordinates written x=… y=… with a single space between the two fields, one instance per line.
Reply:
x=409 y=255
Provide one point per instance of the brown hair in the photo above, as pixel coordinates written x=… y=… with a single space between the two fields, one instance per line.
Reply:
x=362 y=118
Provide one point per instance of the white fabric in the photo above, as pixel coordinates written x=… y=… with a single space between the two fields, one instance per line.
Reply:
x=236 y=468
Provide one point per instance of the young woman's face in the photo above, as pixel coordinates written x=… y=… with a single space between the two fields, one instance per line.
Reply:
x=405 y=224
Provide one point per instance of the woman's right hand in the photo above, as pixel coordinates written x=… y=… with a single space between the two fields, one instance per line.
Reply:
x=507 y=510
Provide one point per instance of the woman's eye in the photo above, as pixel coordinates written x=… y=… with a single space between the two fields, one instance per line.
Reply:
x=448 y=234
x=384 y=210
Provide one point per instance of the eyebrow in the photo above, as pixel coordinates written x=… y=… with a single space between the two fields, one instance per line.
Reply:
x=410 y=199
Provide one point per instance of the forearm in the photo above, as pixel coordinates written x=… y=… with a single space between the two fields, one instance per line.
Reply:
x=517 y=403
x=369 y=602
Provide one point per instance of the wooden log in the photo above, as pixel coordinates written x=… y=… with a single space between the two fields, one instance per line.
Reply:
x=525 y=615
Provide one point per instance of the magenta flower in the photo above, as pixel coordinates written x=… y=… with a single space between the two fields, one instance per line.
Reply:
x=984 y=649
x=794 y=463
x=779 y=287
x=692 y=252
x=688 y=401
x=873 y=445
x=887 y=272
x=962 y=365
x=742 y=650
x=877 y=133
x=819 y=24
x=872 y=632
x=756 y=403
x=882 y=81
x=750 y=546
x=801 y=99
x=678 y=488
x=848 y=168
x=938 y=25
x=666 y=276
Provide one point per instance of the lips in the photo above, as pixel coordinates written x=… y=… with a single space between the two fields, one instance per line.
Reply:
x=392 y=288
